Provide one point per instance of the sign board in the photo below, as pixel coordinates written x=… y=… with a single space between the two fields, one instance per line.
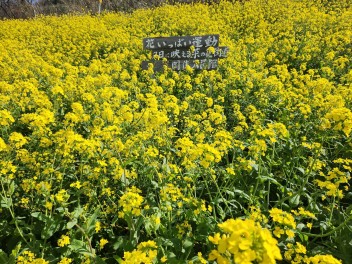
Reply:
x=179 y=65
x=184 y=50
x=181 y=42
x=186 y=53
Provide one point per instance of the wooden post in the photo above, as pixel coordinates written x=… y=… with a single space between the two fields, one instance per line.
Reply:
x=99 y=7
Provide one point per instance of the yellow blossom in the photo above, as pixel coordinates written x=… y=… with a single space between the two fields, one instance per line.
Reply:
x=63 y=241
x=102 y=243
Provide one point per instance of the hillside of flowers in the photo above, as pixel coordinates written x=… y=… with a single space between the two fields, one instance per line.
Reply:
x=104 y=162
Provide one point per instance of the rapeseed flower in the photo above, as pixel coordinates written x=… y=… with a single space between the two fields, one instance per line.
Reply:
x=64 y=240
x=131 y=202
x=102 y=243
x=244 y=241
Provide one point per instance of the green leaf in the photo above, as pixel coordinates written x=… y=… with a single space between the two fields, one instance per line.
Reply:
x=60 y=209
x=165 y=242
x=42 y=217
x=267 y=178
x=300 y=226
x=118 y=258
x=117 y=244
x=171 y=255
x=304 y=238
x=294 y=200
x=99 y=260
x=148 y=226
x=51 y=226
x=90 y=226
x=6 y=202
x=11 y=259
x=349 y=208
x=14 y=253
x=11 y=188
x=243 y=194
x=165 y=166
x=3 y=257
x=77 y=212
x=124 y=179
x=220 y=211
x=78 y=246
x=155 y=184
x=71 y=224
x=302 y=170
x=187 y=243
x=255 y=167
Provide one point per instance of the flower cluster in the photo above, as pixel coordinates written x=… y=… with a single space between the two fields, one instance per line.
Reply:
x=28 y=257
x=131 y=202
x=64 y=240
x=244 y=241
x=146 y=252
x=284 y=221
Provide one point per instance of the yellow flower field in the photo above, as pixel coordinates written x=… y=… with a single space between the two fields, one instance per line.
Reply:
x=104 y=162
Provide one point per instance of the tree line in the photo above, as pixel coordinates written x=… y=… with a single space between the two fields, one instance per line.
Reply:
x=12 y=9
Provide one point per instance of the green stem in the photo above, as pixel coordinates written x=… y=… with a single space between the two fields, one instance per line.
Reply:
x=330 y=232
x=268 y=196
x=46 y=200
x=257 y=181
x=332 y=209
x=131 y=227
x=310 y=168
x=270 y=171
x=222 y=197
x=210 y=196
x=86 y=236
x=12 y=212
x=188 y=252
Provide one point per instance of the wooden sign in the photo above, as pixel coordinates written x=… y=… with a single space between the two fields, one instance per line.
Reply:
x=184 y=50
x=186 y=53
x=181 y=42
x=180 y=65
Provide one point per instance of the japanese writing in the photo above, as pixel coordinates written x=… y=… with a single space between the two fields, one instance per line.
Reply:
x=198 y=53
x=181 y=42
x=179 y=65
x=205 y=64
